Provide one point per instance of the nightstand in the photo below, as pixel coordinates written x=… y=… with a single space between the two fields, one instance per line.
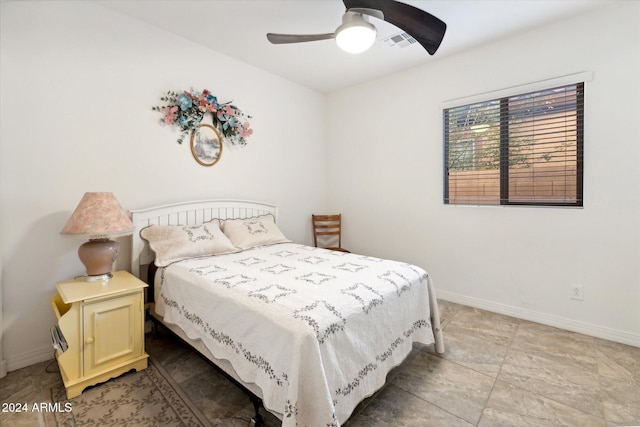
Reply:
x=100 y=330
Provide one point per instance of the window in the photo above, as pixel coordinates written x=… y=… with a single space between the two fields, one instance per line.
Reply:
x=525 y=149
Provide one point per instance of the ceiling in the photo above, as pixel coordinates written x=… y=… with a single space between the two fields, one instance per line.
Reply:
x=238 y=29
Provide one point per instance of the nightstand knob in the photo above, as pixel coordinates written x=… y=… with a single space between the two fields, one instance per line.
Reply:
x=89 y=340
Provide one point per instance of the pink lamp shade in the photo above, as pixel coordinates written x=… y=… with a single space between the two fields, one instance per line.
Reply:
x=98 y=217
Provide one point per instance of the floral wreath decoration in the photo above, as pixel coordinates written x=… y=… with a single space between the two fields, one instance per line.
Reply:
x=187 y=109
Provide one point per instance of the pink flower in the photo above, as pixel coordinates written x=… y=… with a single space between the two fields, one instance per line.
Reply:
x=170 y=114
x=245 y=131
x=229 y=111
x=203 y=106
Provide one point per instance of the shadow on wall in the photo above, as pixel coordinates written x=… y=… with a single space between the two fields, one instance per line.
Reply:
x=30 y=269
x=41 y=258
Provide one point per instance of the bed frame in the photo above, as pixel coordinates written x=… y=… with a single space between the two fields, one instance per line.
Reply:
x=194 y=213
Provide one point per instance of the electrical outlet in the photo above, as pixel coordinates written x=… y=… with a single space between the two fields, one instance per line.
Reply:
x=577 y=292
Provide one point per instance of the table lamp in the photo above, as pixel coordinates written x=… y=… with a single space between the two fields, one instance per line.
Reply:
x=98 y=218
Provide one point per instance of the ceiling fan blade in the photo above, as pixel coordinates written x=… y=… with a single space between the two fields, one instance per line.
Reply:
x=422 y=26
x=297 y=38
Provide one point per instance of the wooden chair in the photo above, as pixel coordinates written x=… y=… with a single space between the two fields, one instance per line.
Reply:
x=330 y=228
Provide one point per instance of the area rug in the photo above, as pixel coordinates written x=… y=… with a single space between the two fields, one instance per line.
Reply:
x=144 y=398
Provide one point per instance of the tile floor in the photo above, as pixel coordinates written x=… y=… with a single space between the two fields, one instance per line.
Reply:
x=496 y=371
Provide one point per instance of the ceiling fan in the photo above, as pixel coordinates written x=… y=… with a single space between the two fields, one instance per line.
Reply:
x=357 y=34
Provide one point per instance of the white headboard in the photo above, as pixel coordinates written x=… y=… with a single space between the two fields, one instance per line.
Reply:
x=188 y=213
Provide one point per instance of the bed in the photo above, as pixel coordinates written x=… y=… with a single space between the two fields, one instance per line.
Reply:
x=307 y=331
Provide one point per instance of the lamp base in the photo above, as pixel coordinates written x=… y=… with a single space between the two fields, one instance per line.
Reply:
x=99 y=278
x=98 y=256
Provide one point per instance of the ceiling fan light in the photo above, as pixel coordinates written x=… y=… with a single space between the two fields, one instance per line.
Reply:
x=355 y=36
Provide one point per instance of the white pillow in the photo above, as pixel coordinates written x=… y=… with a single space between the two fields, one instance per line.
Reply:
x=173 y=243
x=251 y=232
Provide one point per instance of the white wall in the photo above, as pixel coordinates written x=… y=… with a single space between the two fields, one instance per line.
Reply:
x=78 y=82
x=385 y=176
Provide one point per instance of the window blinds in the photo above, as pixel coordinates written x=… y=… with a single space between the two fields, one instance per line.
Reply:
x=521 y=149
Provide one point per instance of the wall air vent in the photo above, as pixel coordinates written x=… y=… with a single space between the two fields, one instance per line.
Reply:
x=400 y=40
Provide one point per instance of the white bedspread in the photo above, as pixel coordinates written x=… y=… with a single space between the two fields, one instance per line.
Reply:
x=316 y=330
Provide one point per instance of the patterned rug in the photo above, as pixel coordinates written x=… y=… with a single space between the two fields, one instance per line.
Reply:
x=144 y=398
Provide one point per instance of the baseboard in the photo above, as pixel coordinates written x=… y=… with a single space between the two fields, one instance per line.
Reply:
x=546 y=319
x=30 y=358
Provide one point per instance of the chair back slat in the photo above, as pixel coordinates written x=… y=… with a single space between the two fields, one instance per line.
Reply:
x=328 y=225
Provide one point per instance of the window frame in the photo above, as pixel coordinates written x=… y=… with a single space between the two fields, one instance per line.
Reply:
x=503 y=96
